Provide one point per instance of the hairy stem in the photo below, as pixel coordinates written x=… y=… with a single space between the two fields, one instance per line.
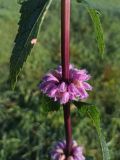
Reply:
x=65 y=60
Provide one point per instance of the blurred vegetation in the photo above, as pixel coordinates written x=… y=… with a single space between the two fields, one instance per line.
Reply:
x=26 y=131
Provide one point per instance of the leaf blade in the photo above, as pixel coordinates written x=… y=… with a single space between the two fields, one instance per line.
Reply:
x=98 y=29
x=32 y=16
x=97 y=25
x=49 y=105
x=93 y=113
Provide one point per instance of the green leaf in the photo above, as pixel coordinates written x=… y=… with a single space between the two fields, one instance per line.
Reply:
x=98 y=29
x=95 y=16
x=32 y=16
x=49 y=105
x=92 y=112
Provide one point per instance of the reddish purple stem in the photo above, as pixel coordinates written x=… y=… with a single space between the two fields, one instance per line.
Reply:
x=65 y=60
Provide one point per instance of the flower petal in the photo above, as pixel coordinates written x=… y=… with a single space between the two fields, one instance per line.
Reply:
x=61 y=144
x=87 y=86
x=83 y=93
x=62 y=157
x=52 y=91
x=63 y=87
x=64 y=98
x=55 y=155
x=44 y=86
x=50 y=77
x=73 y=91
x=57 y=74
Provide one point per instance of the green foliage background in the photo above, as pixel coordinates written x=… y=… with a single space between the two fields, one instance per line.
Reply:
x=26 y=131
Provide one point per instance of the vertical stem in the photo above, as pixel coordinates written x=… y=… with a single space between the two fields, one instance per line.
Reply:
x=65 y=37
x=68 y=129
x=65 y=60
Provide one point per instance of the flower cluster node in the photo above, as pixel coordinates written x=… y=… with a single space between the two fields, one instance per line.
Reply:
x=58 y=153
x=54 y=87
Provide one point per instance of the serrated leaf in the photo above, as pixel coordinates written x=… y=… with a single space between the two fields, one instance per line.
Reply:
x=49 y=105
x=92 y=112
x=98 y=29
x=32 y=15
x=95 y=16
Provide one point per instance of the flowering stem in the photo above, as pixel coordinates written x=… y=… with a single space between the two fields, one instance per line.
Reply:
x=65 y=60
x=68 y=129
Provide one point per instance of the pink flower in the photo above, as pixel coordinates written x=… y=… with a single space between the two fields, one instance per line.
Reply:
x=58 y=153
x=76 y=89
